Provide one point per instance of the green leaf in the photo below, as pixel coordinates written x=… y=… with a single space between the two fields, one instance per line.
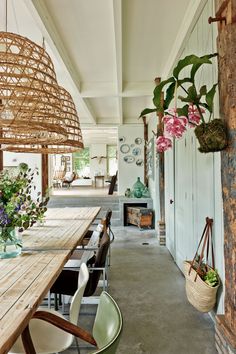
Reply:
x=210 y=97
x=192 y=60
x=205 y=59
x=203 y=91
x=157 y=99
x=169 y=95
x=188 y=60
x=183 y=111
x=26 y=225
x=147 y=111
x=192 y=96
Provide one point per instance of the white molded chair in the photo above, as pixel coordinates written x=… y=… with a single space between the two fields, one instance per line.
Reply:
x=107 y=328
x=45 y=336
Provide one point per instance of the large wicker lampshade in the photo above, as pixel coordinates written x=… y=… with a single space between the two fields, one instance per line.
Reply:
x=29 y=94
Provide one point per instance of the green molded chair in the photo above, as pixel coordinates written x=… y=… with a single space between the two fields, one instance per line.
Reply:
x=108 y=325
x=107 y=328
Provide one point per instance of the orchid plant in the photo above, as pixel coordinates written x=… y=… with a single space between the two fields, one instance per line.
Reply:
x=196 y=101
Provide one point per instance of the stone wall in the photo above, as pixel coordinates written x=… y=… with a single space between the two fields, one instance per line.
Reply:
x=226 y=324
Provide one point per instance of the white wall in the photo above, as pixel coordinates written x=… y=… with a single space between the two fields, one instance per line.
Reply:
x=11 y=159
x=128 y=172
x=193 y=179
x=98 y=166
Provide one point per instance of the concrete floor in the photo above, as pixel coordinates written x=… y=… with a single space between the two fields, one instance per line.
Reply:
x=82 y=191
x=149 y=289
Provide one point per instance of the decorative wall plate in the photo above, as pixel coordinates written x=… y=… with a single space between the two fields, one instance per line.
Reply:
x=136 y=151
x=139 y=162
x=122 y=139
x=124 y=148
x=138 y=141
x=129 y=159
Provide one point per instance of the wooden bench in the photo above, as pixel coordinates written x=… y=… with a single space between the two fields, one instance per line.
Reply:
x=139 y=216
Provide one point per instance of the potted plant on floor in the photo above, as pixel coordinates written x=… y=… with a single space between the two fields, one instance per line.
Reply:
x=18 y=211
x=211 y=133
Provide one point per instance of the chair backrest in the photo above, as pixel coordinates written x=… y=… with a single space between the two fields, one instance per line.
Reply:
x=108 y=218
x=91 y=246
x=108 y=225
x=100 y=262
x=113 y=182
x=108 y=325
x=76 y=300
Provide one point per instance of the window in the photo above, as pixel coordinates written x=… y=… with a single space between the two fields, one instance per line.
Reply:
x=111 y=160
x=81 y=163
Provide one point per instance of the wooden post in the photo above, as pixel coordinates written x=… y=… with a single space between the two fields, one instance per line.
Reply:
x=226 y=42
x=44 y=174
x=161 y=169
x=145 y=150
x=1 y=159
x=1 y=152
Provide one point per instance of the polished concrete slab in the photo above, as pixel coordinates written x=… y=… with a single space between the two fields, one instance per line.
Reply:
x=150 y=291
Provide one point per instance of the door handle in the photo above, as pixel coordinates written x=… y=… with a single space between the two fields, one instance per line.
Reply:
x=171 y=201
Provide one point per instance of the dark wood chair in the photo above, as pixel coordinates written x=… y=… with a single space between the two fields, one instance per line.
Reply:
x=67 y=282
x=113 y=183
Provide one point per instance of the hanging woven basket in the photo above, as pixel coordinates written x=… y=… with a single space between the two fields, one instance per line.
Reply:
x=199 y=293
x=212 y=136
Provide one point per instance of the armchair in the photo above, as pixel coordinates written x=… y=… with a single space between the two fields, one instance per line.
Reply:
x=48 y=337
x=105 y=336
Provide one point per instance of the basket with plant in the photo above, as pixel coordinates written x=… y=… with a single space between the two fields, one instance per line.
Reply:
x=202 y=280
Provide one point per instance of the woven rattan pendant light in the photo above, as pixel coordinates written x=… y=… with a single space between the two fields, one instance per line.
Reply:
x=29 y=94
x=73 y=142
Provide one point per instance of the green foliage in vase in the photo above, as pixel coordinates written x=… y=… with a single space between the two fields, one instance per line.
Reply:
x=17 y=208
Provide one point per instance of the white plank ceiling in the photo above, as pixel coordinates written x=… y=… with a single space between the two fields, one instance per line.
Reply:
x=106 y=52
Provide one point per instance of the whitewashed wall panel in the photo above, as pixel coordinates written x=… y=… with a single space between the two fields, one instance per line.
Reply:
x=195 y=176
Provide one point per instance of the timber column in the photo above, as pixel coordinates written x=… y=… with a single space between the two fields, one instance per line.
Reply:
x=226 y=42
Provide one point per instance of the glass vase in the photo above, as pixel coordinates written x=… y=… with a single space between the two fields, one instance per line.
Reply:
x=10 y=242
x=138 y=188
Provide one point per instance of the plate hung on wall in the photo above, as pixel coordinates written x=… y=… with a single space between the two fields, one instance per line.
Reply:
x=129 y=159
x=124 y=148
x=136 y=151
x=138 y=141
x=139 y=162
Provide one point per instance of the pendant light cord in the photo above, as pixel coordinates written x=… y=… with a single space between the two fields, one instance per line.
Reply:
x=6 y=16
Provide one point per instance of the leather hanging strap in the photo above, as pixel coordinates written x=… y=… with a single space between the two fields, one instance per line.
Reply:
x=207 y=243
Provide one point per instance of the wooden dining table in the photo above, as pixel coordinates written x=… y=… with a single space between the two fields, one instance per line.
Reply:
x=26 y=279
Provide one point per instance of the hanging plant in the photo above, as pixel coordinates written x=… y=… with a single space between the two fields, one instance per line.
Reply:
x=211 y=133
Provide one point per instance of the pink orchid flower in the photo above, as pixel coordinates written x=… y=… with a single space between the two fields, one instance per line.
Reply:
x=194 y=115
x=175 y=125
x=163 y=143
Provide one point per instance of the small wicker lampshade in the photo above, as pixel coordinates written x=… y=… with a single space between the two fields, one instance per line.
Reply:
x=74 y=142
x=29 y=94
x=40 y=149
